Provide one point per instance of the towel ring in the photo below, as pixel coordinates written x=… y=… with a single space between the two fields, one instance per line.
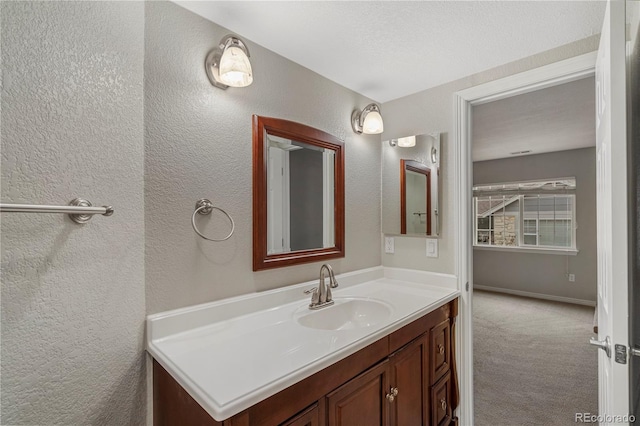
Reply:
x=204 y=207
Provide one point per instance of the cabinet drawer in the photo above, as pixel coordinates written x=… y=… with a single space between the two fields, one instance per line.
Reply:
x=441 y=411
x=440 y=350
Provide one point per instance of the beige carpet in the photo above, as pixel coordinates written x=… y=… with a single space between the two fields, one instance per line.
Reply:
x=533 y=364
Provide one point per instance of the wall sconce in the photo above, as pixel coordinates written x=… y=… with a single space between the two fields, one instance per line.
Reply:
x=406 y=142
x=228 y=64
x=368 y=121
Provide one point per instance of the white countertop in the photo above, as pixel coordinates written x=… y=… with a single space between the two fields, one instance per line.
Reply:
x=234 y=353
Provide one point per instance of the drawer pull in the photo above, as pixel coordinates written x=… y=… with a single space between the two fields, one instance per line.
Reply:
x=441 y=349
x=391 y=396
x=443 y=404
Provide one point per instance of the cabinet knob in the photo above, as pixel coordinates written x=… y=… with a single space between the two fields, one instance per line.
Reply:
x=391 y=396
x=441 y=349
x=443 y=404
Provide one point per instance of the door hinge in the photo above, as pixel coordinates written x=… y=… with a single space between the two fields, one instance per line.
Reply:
x=621 y=354
x=634 y=351
x=466 y=286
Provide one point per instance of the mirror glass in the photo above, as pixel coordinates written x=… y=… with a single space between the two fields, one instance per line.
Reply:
x=298 y=194
x=411 y=186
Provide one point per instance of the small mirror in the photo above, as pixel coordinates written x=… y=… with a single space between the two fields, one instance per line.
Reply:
x=298 y=195
x=411 y=185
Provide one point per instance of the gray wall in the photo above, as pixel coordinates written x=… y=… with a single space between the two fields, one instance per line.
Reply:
x=306 y=199
x=545 y=273
x=72 y=295
x=432 y=111
x=198 y=144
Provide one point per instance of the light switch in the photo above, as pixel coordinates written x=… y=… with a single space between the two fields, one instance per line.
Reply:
x=432 y=247
x=389 y=245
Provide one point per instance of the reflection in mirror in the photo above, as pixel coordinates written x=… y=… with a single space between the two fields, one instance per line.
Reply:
x=411 y=186
x=415 y=199
x=298 y=194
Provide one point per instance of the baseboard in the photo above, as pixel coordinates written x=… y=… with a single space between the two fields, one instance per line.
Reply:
x=535 y=295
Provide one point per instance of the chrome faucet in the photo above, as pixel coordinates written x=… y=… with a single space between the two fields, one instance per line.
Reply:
x=321 y=295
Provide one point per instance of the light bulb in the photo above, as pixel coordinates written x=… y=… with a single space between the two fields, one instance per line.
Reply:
x=235 y=68
x=373 y=123
x=407 y=142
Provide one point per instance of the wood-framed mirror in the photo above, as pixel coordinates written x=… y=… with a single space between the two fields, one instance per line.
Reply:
x=298 y=194
x=415 y=198
x=411 y=186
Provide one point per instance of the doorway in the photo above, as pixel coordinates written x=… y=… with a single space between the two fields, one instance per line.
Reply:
x=551 y=75
x=535 y=256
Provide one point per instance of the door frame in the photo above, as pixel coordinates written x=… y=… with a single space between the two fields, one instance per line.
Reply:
x=536 y=79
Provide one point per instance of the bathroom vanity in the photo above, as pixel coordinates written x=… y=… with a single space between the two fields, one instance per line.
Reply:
x=383 y=354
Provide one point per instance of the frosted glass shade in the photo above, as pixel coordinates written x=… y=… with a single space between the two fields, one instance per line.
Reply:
x=235 y=68
x=407 y=142
x=373 y=124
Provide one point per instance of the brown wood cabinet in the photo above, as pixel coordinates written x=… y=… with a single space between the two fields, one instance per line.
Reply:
x=361 y=400
x=410 y=379
x=309 y=417
x=406 y=378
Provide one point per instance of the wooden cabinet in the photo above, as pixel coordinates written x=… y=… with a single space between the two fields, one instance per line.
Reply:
x=406 y=378
x=361 y=401
x=309 y=417
x=441 y=411
x=440 y=337
x=410 y=380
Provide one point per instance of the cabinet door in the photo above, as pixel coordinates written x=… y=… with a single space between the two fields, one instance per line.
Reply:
x=309 y=417
x=361 y=401
x=409 y=369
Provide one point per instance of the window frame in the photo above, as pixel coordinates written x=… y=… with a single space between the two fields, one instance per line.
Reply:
x=520 y=230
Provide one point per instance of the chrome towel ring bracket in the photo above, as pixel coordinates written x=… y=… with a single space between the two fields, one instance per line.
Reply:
x=205 y=207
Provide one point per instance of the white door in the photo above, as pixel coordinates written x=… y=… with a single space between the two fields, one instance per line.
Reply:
x=278 y=211
x=611 y=128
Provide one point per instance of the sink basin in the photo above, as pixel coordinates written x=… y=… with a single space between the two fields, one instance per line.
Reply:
x=345 y=314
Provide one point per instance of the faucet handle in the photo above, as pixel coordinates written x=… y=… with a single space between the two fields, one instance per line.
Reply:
x=315 y=297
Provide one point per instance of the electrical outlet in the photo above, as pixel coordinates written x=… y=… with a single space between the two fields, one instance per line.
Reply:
x=389 y=245
x=572 y=278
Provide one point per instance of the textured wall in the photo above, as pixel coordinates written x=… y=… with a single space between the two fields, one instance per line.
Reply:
x=72 y=295
x=432 y=111
x=545 y=273
x=198 y=144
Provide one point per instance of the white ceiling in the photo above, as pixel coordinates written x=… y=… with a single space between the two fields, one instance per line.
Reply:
x=389 y=49
x=557 y=118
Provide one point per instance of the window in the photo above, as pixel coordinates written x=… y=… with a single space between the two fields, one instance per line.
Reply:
x=537 y=214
